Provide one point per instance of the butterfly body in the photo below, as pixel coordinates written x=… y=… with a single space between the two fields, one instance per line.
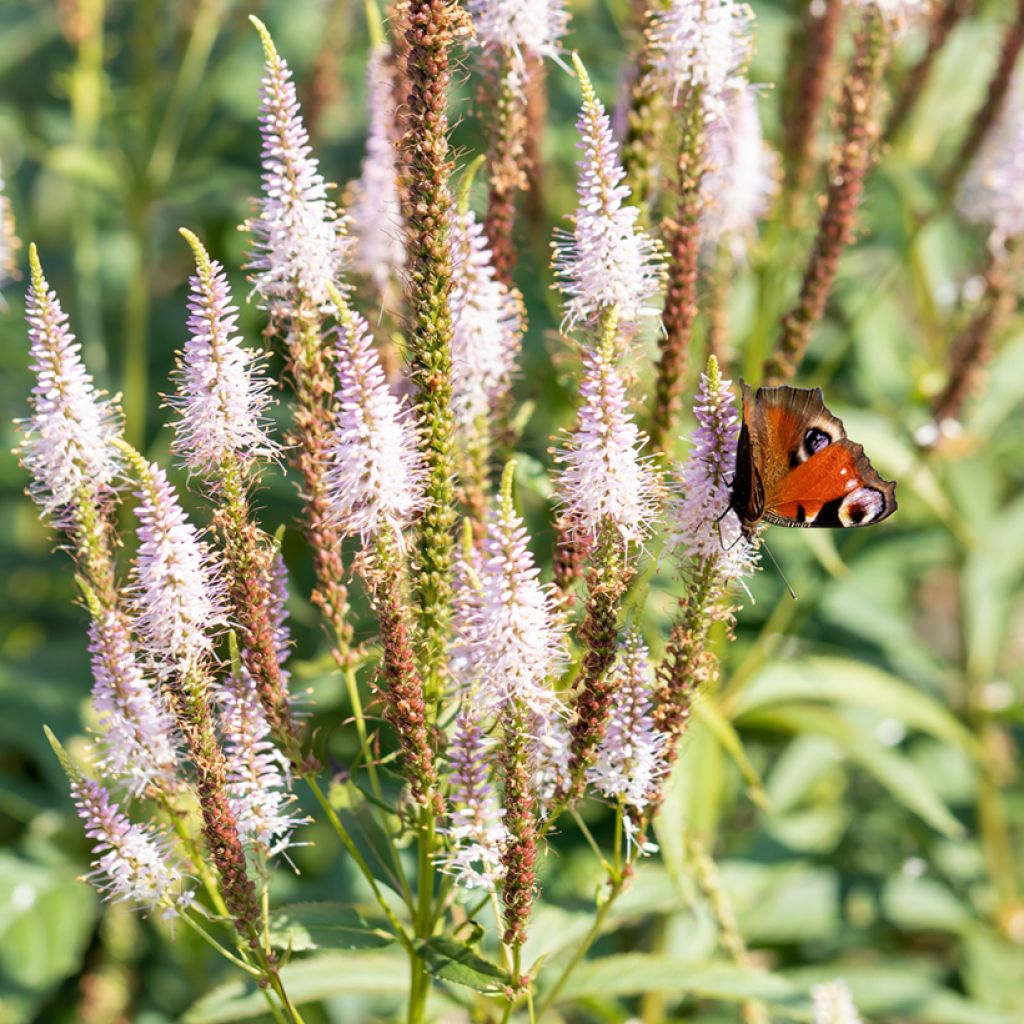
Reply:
x=795 y=466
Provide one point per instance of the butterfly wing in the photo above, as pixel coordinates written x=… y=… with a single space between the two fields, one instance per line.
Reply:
x=809 y=472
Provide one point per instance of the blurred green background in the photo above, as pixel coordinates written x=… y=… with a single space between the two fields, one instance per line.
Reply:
x=856 y=772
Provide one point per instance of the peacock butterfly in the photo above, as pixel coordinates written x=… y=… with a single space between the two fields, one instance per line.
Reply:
x=795 y=466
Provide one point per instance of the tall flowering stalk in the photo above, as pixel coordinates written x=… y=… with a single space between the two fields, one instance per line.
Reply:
x=176 y=600
x=857 y=131
x=697 y=49
x=222 y=435
x=300 y=252
x=375 y=476
x=431 y=29
x=608 y=271
x=714 y=554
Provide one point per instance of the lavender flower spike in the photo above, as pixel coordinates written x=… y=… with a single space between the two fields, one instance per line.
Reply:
x=175 y=591
x=701 y=44
x=375 y=474
x=223 y=391
x=475 y=828
x=487 y=324
x=606 y=262
x=520 y=26
x=739 y=177
x=132 y=862
x=68 y=440
x=375 y=209
x=991 y=192
x=630 y=757
x=138 y=734
x=705 y=527
x=301 y=246
x=509 y=640
x=605 y=477
x=258 y=784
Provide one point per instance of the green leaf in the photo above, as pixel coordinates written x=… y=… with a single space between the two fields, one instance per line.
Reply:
x=46 y=919
x=635 y=973
x=842 y=681
x=708 y=712
x=924 y=904
x=325 y=925
x=327 y=976
x=899 y=775
x=457 y=963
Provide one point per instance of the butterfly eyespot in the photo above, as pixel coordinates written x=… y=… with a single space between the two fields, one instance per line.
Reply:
x=863 y=506
x=815 y=440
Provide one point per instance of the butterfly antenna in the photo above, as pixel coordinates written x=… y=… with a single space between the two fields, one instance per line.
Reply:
x=778 y=569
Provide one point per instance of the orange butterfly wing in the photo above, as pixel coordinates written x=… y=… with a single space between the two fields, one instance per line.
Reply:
x=796 y=467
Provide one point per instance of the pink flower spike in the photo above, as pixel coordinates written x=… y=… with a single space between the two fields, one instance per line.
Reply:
x=509 y=639
x=301 y=249
x=375 y=473
x=487 y=323
x=701 y=44
x=375 y=210
x=68 y=440
x=606 y=262
x=258 y=784
x=175 y=591
x=704 y=525
x=139 y=740
x=630 y=758
x=132 y=862
x=223 y=392
x=475 y=828
x=739 y=181
x=605 y=476
x=521 y=27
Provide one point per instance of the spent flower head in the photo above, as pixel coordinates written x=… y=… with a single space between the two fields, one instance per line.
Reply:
x=375 y=210
x=700 y=45
x=605 y=478
x=68 y=440
x=223 y=392
x=704 y=525
x=607 y=262
x=301 y=248
x=474 y=828
x=991 y=192
x=487 y=325
x=630 y=758
x=138 y=741
x=133 y=863
x=176 y=593
x=374 y=472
